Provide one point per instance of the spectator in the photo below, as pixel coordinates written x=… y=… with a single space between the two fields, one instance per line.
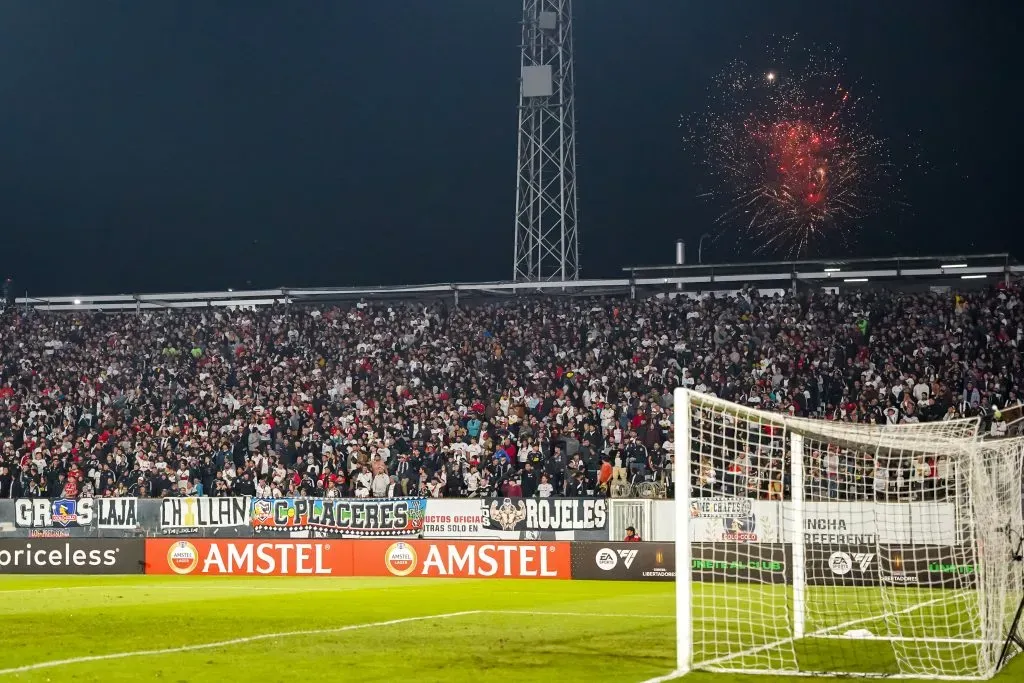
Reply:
x=396 y=399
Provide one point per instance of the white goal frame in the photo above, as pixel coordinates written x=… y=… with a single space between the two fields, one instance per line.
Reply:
x=967 y=453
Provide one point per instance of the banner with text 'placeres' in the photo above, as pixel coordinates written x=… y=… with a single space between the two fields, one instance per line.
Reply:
x=329 y=557
x=339 y=516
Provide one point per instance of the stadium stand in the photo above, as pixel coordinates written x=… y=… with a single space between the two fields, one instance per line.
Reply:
x=554 y=396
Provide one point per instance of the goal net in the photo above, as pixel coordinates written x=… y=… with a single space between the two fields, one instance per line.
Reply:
x=819 y=547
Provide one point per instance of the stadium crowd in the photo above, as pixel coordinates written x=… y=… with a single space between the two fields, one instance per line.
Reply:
x=556 y=396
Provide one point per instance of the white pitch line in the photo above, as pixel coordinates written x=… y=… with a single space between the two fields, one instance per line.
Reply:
x=582 y=614
x=225 y=643
x=667 y=677
x=157 y=588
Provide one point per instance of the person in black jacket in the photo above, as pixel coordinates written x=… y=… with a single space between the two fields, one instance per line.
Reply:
x=528 y=479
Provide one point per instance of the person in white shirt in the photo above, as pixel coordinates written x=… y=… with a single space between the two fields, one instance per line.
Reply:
x=544 y=488
x=472 y=482
x=363 y=482
x=379 y=487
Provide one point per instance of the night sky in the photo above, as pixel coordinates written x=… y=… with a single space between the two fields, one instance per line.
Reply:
x=174 y=146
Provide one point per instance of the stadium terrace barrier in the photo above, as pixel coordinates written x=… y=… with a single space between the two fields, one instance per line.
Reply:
x=506 y=519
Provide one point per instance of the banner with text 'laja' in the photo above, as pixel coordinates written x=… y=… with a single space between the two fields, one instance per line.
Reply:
x=340 y=516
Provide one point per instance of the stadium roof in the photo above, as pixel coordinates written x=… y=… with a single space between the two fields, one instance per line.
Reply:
x=960 y=271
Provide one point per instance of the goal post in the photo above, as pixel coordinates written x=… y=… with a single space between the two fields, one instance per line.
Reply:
x=816 y=547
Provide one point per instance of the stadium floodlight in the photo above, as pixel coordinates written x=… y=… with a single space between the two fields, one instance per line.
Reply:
x=832 y=269
x=978 y=276
x=813 y=547
x=954 y=265
x=856 y=279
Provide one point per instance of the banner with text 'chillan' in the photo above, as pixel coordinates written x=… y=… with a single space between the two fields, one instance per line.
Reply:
x=343 y=517
x=184 y=514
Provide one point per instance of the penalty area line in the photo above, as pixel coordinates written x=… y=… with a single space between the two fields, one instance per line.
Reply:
x=226 y=643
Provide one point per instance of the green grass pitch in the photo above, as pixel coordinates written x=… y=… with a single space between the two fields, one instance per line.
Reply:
x=321 y=629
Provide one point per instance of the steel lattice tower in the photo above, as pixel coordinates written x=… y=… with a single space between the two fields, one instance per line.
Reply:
x=546 y=242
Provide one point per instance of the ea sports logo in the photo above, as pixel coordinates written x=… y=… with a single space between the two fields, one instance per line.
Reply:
x=840 y=563
x=182 y=557
x=400 y=559
x=606 y=559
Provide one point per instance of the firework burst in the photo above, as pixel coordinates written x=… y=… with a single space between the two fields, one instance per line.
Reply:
x=788 y=152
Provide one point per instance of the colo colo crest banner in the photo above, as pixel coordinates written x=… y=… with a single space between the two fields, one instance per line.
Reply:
x=341 y=516
x=67 y=513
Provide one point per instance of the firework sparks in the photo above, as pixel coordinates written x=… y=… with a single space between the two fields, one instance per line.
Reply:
x=788 y=152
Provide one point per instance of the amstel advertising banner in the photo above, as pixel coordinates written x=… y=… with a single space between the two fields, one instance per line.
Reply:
x=278 y=557
x=330 y=557
x=464 y=559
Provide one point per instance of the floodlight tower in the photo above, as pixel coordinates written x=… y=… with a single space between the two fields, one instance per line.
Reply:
x=546 y=242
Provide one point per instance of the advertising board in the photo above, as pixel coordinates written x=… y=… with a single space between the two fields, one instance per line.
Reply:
x=71 y=556
x=349 y=557
x=624 y=561
x=464 y=559
x=916 y=566
x=766 y=563
x=251 y=557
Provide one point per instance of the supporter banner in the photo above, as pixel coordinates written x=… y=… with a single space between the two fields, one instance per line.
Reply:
x=829 y=523
x=624 y=561
x=824 y=522
x=194 y=513
x=464 y=559
x=60 y=513
x=282 y=557
x=71 y=556
x=918 y=566
x=545 y=514
x=766 y=563
x=462 y=518
x=340 y=516
x=117 y=513
x=734 y=519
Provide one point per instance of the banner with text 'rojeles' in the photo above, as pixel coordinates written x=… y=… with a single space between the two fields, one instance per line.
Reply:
x=341 y=517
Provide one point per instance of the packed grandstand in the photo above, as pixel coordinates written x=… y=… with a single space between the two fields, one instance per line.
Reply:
x=532 y=397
